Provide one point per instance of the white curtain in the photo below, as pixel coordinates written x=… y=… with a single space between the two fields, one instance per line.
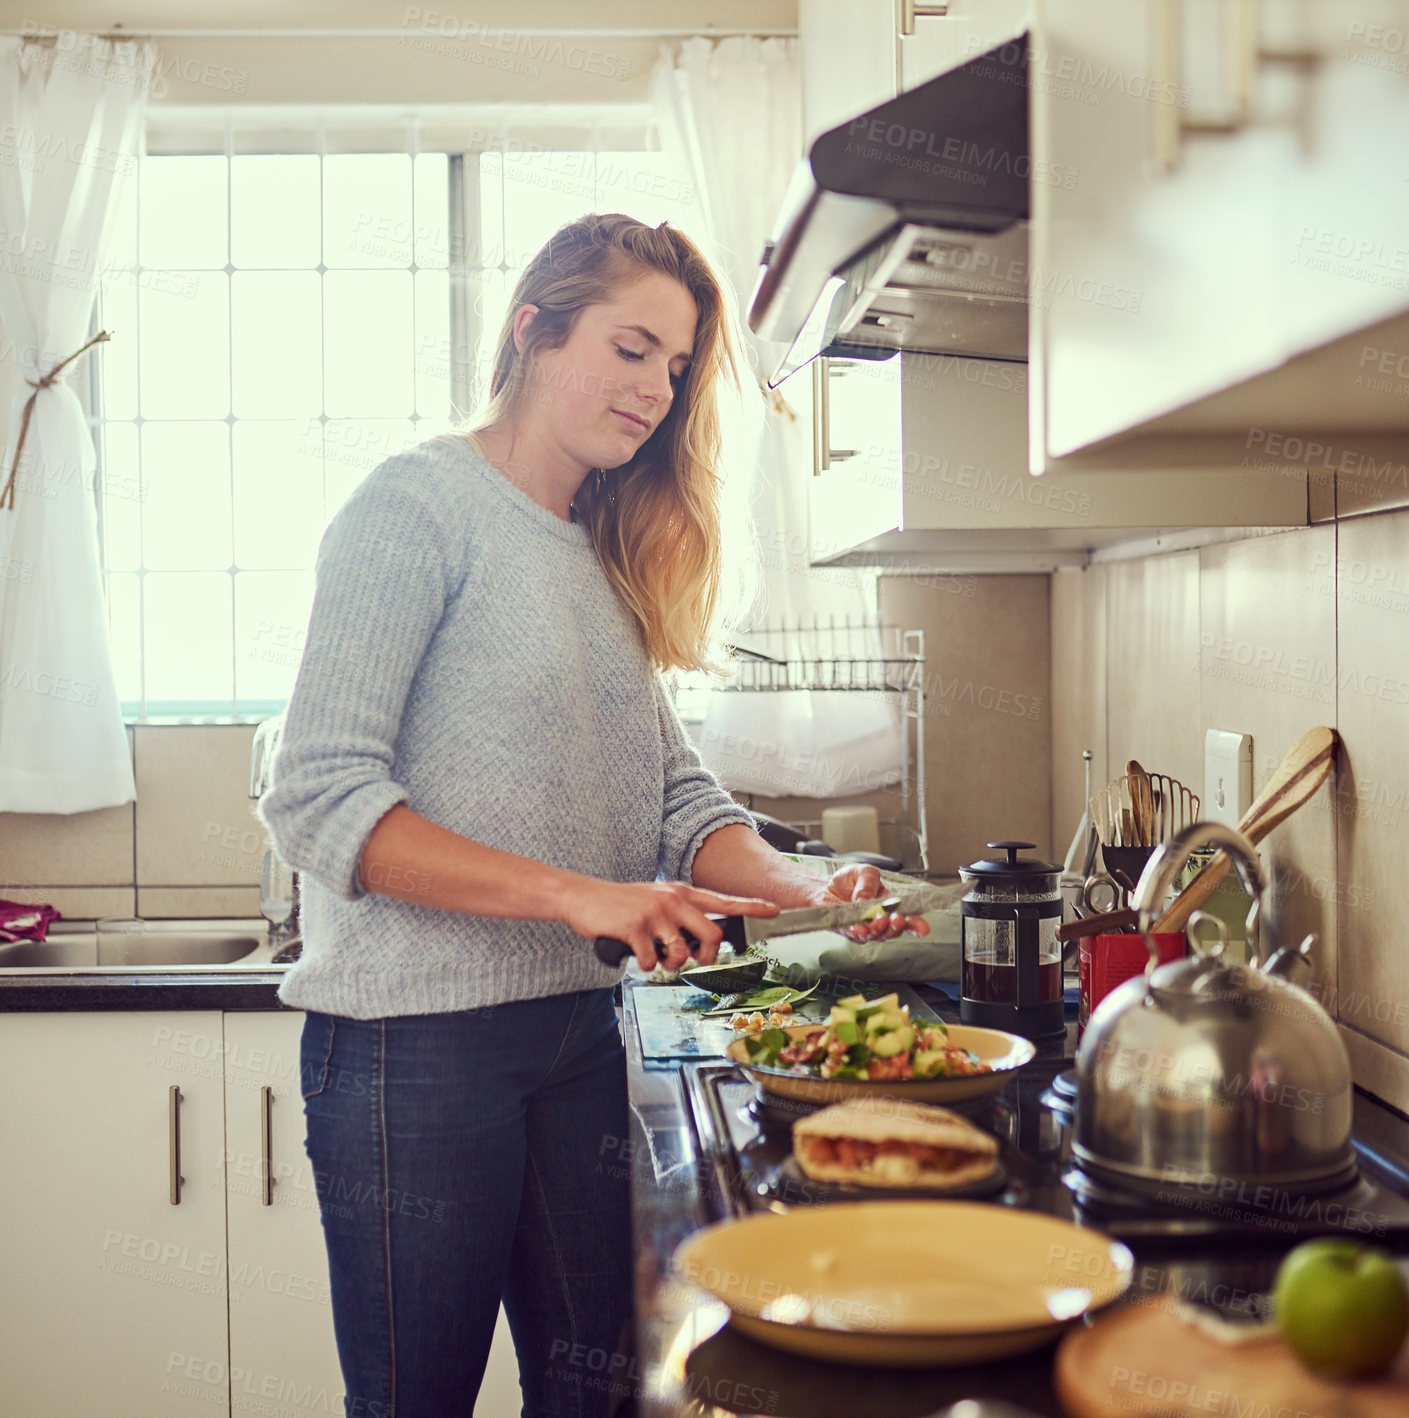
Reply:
x=730 y=115
x=72 y=113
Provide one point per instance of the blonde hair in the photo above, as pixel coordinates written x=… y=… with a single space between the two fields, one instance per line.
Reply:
x=655 y=521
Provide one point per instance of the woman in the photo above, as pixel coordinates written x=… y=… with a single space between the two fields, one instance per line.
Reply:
x=480 y=771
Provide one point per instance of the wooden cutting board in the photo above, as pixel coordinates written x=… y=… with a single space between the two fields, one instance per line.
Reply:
x=1145 y=1359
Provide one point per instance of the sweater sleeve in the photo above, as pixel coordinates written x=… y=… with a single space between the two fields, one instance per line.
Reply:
x=695 y=804
x=386 y=569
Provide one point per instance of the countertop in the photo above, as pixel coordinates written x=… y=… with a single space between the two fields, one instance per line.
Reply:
x=30 y=992
x=689 y=1360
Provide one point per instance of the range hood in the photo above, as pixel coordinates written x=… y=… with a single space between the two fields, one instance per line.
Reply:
x=906 y=227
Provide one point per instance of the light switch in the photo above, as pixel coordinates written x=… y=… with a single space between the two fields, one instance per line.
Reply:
x=1227 y=776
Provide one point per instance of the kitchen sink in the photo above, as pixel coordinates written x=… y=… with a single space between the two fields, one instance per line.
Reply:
x=148 y=946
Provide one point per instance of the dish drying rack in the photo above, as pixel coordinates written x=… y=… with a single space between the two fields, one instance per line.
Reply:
x=850 y=656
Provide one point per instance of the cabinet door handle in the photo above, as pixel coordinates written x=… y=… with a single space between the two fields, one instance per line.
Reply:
x=1242 y=37
x=910 y=12
x=266 y=1147
x=821 y=417
x=173 y=1148
x=824 y=371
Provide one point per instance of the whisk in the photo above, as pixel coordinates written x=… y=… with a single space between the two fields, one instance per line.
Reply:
x=1141 y=809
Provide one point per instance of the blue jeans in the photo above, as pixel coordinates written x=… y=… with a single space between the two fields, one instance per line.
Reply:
x=464 y=1158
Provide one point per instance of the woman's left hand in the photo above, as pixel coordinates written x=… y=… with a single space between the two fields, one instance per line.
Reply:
x=862 y=882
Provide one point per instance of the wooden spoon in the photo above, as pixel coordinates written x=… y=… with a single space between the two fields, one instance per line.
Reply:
x=1302 y=772
x=1143 y=804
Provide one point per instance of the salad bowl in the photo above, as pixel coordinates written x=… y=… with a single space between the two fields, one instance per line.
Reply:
x=1003 y=1054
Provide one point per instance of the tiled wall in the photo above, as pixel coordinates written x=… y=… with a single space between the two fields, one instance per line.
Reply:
x=1269 y=636
x=189 y=846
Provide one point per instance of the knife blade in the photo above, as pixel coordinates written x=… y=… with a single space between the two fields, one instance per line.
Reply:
x=746 y=931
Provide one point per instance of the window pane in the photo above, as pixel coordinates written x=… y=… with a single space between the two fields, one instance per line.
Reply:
x=122 y=248
x=274 y=216
x=185 y=346
x=433 y=352
x=487 y=245
x=542 y=191
x=431 y=181
x=122 y=498
x=125 y=636
x=186 y=512
x=367 y=210
x=368 y=359
x=117 y=359
x=182 y=223
x=271 y=619
x=278 y=487
x=644 y=186
x=276 y=343
x=189 y=645
x=353 y=447
x=490 y=291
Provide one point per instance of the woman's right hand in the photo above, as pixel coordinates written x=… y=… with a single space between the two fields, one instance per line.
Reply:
x=642 y=913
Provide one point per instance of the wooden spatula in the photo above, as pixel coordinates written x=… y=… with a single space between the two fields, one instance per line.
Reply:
x=1302 y=772
x=1142 y=801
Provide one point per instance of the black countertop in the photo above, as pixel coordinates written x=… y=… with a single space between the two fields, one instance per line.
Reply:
x=690 y=1360
x=42 y=992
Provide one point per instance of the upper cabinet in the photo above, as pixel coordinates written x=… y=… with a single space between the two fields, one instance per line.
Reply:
x=855 y=58
x=1225 y=266
x=921 y=461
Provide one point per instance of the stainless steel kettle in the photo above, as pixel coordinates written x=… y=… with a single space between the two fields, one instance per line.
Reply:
x=1207 y=1079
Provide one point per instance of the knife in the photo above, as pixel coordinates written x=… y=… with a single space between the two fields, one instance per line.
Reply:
x=745 y=931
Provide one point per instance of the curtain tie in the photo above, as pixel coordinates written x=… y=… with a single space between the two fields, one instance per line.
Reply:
x=7 y=497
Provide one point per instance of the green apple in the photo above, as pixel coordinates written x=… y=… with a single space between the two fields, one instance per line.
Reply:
x=1342 y=1306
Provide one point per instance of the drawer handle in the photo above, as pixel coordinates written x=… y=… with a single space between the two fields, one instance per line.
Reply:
x=266 y=1147
x=173 y=1130
x=910 y=11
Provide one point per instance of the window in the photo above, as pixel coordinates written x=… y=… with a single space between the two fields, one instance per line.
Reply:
x=282 y=323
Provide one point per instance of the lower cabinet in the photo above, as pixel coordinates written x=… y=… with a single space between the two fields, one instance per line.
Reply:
x=159 y=1225
x=112 y=1215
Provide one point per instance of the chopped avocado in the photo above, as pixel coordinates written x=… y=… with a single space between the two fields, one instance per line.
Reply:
x=936 y=1036
x=841 y=1015
x=892 y=1042
x=928 y=1062
x=852 y=1002
x=846 y=1031
x=879 y=1006
x=889 y=1019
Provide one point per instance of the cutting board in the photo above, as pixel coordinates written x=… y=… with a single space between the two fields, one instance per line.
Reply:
x=668 y=1017
x=1145 y=1359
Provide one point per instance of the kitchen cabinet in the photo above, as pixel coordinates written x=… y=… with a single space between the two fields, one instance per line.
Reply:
x=112 y=1294
x=281 y=1321
x=854 y=59
x=216 y=1302
x=921 y=464
x=1228 y=266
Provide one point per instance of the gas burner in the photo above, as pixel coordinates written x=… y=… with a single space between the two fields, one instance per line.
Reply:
x=1357 y=1206
x=1060 y=1095
x=774 y=1114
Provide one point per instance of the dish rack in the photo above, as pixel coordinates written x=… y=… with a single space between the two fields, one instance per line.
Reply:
x=850 y=656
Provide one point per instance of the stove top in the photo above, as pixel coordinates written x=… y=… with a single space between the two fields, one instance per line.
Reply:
x=744 y=1146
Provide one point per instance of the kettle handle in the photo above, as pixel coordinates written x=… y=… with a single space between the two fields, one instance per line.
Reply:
x=1163 y=868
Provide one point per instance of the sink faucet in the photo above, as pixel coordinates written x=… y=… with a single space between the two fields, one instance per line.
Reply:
x=278 y=882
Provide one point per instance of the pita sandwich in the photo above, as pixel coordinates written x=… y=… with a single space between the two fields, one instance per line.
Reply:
x=890 y=1142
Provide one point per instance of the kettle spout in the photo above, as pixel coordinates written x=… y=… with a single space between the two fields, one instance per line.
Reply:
x=1287 y=961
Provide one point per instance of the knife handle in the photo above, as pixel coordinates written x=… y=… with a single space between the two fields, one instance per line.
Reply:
x=611 y=951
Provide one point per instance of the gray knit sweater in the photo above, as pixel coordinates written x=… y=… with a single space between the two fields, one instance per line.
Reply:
x=467 y=656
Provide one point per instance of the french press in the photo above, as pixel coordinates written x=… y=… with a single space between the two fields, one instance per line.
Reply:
x=1011 y=958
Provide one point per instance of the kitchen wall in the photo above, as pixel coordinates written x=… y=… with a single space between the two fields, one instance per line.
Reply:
x=1270 y=636
x=189 y=846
